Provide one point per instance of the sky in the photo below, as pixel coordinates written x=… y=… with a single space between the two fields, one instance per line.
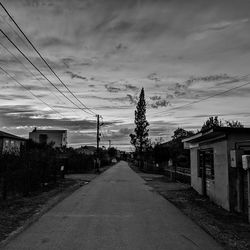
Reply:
x=105 y=51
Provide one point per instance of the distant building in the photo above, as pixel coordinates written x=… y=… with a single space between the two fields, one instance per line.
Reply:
x=57 y=137
x=10 y=143
x=216 y=166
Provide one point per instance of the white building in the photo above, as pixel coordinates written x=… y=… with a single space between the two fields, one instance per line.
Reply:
x=58 y=137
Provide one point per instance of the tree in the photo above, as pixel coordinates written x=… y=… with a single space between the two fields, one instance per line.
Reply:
x=234 y=124
x=180 y=134
x=211 y=122
x=177 y=153
x=140 y=137
x=112 y=152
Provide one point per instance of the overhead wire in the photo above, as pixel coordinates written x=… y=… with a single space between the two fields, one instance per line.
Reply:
x=27 y=69
x=56 y=75
x=41 y=72
x=37 y=97
x=10 y=26
x=208 y=97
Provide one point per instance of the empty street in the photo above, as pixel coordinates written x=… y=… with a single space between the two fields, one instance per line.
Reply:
x=117 y=210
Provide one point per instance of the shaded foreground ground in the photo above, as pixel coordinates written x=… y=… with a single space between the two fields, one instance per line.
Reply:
x=229 y=229
x=117 y=210
x=18 y=211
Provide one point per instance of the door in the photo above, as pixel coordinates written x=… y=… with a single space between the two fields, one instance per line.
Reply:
x=206 y=171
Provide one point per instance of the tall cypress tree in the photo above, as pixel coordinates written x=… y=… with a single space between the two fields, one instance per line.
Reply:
x=140 y=137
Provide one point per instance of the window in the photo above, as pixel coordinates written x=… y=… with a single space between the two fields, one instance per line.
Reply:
x=206 y=160
x=43 y=138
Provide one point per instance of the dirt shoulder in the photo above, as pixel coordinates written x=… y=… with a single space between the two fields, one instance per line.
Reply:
x=17 y=213
x=231 y=230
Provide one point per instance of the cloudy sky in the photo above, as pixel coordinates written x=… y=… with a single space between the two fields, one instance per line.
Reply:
x=105 y=50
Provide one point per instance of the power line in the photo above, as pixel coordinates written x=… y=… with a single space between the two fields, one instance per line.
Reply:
x=209 y=97
x=19 y=83
x=40 y=71
x=23 y=41
x=44 y=59
x=27 y=69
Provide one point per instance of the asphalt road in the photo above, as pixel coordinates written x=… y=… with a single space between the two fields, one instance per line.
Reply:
x=117 y=210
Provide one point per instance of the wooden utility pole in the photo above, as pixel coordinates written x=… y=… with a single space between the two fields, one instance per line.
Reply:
x=97 y=142
x=109 y=143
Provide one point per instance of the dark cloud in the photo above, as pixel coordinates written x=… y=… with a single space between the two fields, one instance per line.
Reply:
x=155 y=97
x=14 y=97
x=122 y=26
x=211 y=78
x=131 y=87
x=154 y=77
x=112 y=89
x=160 y=103
x=53 y=42
x=73 y=75
x=100 y=98
x=184 y=89
x=157 y=101
x=119 y=86
x=180 y=89
x=121 y=47
x=118 y=49
x=25 y=116
x=169 y=96
x=67 y=62
x=132 y=99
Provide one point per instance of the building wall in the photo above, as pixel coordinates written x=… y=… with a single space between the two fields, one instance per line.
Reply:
x=236 y=174
x=59 y=138
x=195 y=180
x=217 y=189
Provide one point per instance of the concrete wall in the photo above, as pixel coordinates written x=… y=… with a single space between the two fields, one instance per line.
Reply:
x=195 y=180
x=59 y=138
x=236 y=174
x=217 y=189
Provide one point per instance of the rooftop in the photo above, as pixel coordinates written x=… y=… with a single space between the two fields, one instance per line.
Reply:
x=10 y=136
x=49 y=131
x=215 y=132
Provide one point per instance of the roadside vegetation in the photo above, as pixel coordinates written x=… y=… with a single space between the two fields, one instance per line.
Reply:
x=33 y=180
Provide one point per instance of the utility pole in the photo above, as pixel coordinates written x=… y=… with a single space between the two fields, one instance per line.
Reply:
x=109 y=143
x=97 y=143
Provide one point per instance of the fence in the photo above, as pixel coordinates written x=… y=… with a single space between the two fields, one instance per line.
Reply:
x=175 y=173
x=178 y=174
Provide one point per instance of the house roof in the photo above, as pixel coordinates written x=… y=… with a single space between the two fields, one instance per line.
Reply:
x=215 y=132
x=10 y=136
x=48 y=131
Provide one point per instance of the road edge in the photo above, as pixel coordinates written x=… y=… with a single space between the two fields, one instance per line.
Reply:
x=46 y=207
